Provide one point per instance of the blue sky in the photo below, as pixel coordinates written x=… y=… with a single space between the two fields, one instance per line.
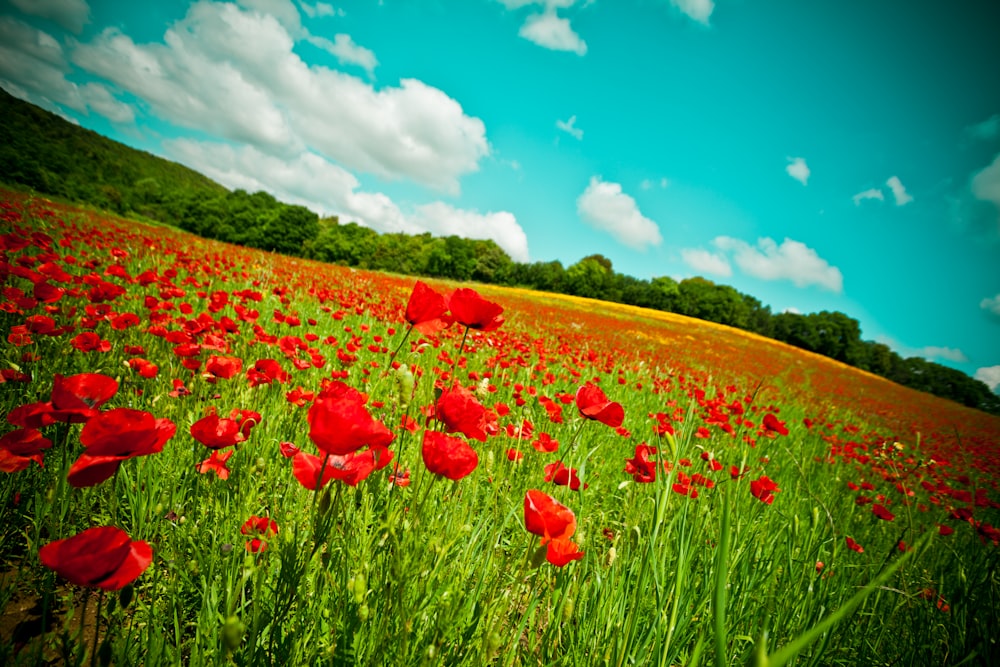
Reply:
x=828 y=155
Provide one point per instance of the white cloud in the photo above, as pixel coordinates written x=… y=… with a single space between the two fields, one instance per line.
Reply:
x=605 y=207
x=320 y=9
x=792 y=260
x=553 y=32
x=70 y=14
x=233 y=73
x=443 y=219
x=648 y=184
x=991 y=305
x=347 y=51
x=699 y=10
x=990 y=376
x=569 y=126
x=798 y=169
x=33 y=66
x=987 y=130
x=948 y=353
x=310 y=180
x=705 y=261
x=898 y=191
x=985 y=183
x=873 y=193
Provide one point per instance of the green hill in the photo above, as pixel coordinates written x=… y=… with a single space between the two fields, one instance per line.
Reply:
x=50 y=155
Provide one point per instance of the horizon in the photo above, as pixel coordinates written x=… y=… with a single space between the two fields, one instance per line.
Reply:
x=815 y=156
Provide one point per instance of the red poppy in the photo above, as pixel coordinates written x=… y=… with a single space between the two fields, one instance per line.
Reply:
x=545 y=443
x=217 y=463
x=514 y=454
x=144 y=367
x=224 y=368
x=461 y=412
x=854 y=546
x=262 y=526
x=560 y=475
x=547 y=517
x=772 y=427
x=594 y=404
x=216 y=432
x=763 y=489
x=473 y=311
x=76 y=398
x=881 y=512
x=639 y=466
x=102 y=557
x=425 y=311
x=339 y=423
x=562 y=551
x=448 y=456
x=89 y=341
x=266 y=371
x=19 y=448
x=113 y=437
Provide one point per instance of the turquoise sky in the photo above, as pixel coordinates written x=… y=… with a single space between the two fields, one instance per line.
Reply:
x=823 y=155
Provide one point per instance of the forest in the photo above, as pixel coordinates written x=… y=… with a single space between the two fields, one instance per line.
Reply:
x=46 y=154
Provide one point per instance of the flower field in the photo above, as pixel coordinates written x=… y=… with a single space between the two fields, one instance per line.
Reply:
x=213 y=455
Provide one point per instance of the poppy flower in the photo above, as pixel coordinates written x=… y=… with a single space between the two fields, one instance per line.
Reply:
x=101 y=557
x=562 y=551
x=216 y=432
x=19 y=448
x=594 y=404
x=88 y=341
x=470 y=309
x=854 y=546
x=144 y=367
x=339 y=423
x=640 y=467
x=547 y=517
x=560 y=475
x=216 y=463
x=259 y=526
x=763 y=489
x=221 y=368
x=772 y=426
x=448 y=456
x=881 y=512
x=76 y=398
x=461 y=412
x=112 y=437
x=545 y=443
x=351 y=469
x=425 y=311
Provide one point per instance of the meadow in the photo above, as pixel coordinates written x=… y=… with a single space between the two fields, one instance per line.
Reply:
x=215 y=455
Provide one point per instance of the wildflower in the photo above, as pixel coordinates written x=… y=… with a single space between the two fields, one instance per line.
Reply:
x=881 y=512
x=339 y=423
x=763 y=489
x=113 y=437
x=554 y=523
x=473 y=311
x=854 y=546
x=101 y=557
x=560 y=475
x=259 y=526
x=19 y=448
x=593 y=404
x=772 y=426
x=462 y=413
x=425 y=311
x=639 y=466
x=448 y=456
x=216 y=463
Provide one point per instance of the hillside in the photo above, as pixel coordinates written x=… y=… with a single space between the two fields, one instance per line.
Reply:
x=49 y=154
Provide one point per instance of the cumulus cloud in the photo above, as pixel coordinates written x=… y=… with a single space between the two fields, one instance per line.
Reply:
x=947 y=353
x=990 y=376
x=70 y=14
x=985 y=184
x=898 y=191
x=553 y=32
x=699 y=10
x=705 y=261
x=569 y=127
x=347 y=52
x=798 y=169
x=605 y=207
x=873 y=193
x=312 y=181
x=649 y=184
x=233 y=73
x=791 y=260
x=33 y=66
x=991 y=305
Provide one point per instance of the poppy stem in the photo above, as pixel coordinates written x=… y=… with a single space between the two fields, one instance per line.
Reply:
x=461 y=350
x=97 y=628
x=392 y=357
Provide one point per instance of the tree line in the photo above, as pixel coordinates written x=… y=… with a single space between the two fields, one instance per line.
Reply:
x=43 y=152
